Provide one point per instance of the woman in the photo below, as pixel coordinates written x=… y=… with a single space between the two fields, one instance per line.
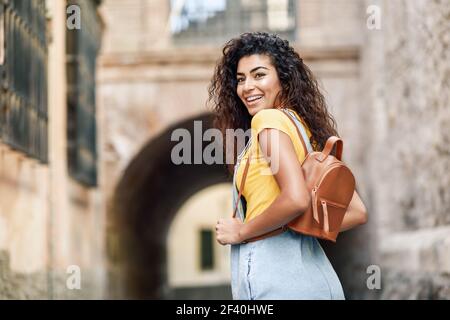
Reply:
x=258 y=75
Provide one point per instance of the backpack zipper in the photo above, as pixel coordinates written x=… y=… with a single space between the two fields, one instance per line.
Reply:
x=314 y=192
x=324 y=174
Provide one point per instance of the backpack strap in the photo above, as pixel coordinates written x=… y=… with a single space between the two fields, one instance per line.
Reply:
x=300 y=131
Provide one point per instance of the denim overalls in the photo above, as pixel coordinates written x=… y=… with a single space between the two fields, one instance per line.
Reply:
x=286 y=266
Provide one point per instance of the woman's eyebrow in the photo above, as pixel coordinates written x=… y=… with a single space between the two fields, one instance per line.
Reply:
x=253 y=70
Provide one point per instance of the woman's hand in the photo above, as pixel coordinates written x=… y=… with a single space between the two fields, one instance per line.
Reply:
x=228 y=231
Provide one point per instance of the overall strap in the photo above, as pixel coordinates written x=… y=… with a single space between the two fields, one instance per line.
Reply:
x=241 y=188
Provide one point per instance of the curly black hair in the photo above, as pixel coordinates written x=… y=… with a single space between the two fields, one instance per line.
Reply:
x=299 y=88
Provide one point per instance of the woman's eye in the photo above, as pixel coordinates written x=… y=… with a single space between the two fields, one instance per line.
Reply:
x=240 y=80
x=259 y=75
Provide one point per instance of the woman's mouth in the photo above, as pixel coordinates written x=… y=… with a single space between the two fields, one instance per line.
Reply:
x=252 y=100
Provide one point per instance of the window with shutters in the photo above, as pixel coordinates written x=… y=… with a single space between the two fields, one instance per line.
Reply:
x=83 y=45
x=206 y=250
x=23 y=77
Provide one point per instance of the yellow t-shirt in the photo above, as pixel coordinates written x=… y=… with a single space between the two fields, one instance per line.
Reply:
x=261 y=188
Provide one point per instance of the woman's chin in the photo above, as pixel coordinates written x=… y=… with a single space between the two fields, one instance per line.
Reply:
x=254 y=110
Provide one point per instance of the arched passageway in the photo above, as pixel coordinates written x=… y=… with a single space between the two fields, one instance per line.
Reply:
x=147 y=199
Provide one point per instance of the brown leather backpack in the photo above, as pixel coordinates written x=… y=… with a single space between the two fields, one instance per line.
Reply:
x=331 y=184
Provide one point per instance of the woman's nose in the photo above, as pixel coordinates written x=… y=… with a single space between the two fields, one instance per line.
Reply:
x=248 y=85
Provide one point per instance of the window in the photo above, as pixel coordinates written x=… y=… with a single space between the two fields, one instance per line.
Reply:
x=23 y=77
x=82 y=48
x=199 y=21
x=206 y=250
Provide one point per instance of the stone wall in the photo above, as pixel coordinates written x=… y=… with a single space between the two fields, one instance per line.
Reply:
x=135 y=25
x=407 y=80
x=47 y=283
x=330 y=23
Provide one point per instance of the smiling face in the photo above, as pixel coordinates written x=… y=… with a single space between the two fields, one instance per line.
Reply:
x=257 y=83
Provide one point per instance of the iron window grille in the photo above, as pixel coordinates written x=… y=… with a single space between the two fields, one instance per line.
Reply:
x=82 y=48
x=23 y=77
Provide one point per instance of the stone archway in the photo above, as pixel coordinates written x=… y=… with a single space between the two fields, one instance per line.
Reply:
x=146 y=201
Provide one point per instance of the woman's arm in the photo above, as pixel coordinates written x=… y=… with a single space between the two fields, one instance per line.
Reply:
x=355 y=215
x=292 y=201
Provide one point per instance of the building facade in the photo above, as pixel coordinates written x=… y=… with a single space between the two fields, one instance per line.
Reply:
x=52 y=217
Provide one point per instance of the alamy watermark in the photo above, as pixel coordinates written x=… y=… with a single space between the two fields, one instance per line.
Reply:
x=73 y=281
x=73 y=21
x=189 y=149
x=374 y=280
x=373 y=21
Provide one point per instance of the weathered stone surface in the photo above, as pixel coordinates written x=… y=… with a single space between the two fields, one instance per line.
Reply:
x=420 y=285
x=405 y=70
x=49 y=221
x=411 y=154
x=21 y=286
x=49 y=284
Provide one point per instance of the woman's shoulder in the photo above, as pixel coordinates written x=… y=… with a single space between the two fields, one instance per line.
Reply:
x=283 y=121
x=276 y=118
x=267 y=114
x=269 y=118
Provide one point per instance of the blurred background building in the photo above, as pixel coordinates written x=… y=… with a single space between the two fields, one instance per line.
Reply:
x=52 y=213
x=86 y=118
